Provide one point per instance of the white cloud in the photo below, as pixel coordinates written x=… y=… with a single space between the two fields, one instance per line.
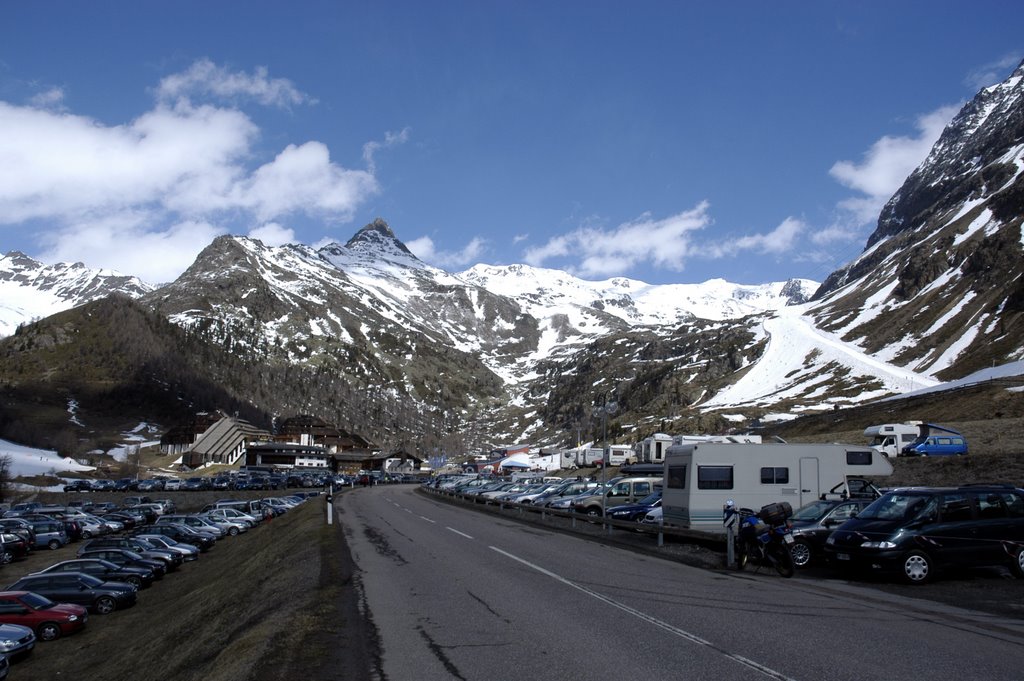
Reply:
x=391 y=139
x=303 y=179
x=993 y=73
x=189 y=169
x=53 y=98
x=886 y=165
x=665 y=243
x=425 y=249
x=779 y=241
x=124 y=242
x=206 y=78
x=273 y=234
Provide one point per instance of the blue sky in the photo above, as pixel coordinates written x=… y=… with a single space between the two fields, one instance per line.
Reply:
x=672 y=142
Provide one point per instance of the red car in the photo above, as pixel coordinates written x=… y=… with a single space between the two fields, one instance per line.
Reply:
x=13 y=546
x=49 y=620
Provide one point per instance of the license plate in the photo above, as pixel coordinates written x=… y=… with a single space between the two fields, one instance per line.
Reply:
x=842 y=556
x=788 y=538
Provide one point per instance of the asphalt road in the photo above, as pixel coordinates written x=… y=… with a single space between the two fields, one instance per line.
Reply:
x=454 y=594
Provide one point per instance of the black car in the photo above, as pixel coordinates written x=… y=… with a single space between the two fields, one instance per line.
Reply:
x=918 y=530
x=125 y=558
x=139 y=577
x=74 y=587
x=171 y=559
x=182 y=533
x=813 y=523
x=79 y=486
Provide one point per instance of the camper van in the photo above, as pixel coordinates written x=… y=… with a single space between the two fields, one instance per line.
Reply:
x=891 y=438
x=701 y=476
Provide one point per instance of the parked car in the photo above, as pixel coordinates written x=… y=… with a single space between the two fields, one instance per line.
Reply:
x=636 y=512
x=12 y=547
x=195 y=522
x=126 y=558
x=196 y=484
x=182 y=533
x=79 y=486
x=172 y=485
x=139 y=577
x=171 y=559
x=20 y=527
x=16 y=641
x=915 y=532
x=49 y=620
x=74 y=587
x=49 y=534
x=188 y=552
x=814 y=522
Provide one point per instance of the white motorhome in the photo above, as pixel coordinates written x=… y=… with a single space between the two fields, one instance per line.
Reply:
x=701 y=476
x=891 y=438
x=652 y=449
x=581 y=457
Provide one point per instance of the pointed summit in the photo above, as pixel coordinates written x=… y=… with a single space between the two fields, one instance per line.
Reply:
x=377 y=236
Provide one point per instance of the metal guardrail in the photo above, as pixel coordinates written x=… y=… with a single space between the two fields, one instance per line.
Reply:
x=548 y=516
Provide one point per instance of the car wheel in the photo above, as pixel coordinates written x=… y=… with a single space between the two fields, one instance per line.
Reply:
x=53 y=545
x=917 y=567
x=48 y=631
x=1018 y=563
x=233 y=531
x=105 y=605
x=134 y=581
x=86 y=534
x=801 y=552
x=594 y=512
x=7 y=558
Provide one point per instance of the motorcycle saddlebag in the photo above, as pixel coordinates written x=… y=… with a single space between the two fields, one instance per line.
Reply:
x=776 y=514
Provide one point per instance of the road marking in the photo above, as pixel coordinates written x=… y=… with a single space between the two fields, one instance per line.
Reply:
x=428 y=519
x=461 y=534
x=693 y=638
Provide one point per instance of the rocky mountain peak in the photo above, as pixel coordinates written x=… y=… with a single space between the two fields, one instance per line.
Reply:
x=377 y=236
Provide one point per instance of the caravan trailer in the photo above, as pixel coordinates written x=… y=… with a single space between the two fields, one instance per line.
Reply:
x=701 y=476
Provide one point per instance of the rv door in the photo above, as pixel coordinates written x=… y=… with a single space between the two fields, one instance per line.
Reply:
x=810 y=487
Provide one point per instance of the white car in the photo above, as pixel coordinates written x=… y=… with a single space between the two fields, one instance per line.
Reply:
x=654 y=517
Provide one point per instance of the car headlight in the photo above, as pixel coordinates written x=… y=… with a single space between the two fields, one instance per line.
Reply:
x=878 y=545
x=72 y=618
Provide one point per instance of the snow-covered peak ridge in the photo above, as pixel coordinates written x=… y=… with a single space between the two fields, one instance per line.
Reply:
x=31 y=290
x=538 y=289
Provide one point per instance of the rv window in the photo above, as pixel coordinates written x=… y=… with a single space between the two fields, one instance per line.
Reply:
x=774 y=476
x=714 y=477
x=677 y=477
x=858 y=458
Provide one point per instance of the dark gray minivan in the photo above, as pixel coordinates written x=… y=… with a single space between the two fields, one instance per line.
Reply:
x=918 y=530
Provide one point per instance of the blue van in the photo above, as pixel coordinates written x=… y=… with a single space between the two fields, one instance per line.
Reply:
x=944 y=442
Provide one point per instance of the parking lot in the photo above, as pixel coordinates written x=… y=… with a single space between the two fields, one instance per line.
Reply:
x=250 y=608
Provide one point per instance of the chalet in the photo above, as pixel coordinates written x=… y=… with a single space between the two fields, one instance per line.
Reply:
x=211 y=438
x=289 y=455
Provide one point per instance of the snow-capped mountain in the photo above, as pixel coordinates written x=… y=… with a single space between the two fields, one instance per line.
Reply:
x=31 y=290
x=940 y=288
x=527 y=352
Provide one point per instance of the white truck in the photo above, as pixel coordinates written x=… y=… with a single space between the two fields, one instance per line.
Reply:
x=891 y=438
x=700 y=477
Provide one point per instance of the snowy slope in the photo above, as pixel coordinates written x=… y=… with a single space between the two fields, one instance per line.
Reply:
x=28 y=461
x=791 y=369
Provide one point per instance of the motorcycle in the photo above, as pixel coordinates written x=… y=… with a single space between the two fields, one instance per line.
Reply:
x=764 y=538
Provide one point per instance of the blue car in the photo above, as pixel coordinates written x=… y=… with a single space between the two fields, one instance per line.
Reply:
x=636 y=512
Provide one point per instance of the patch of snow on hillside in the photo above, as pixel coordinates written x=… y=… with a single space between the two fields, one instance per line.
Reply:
x=29 y=461
x=792 y=339
x=977 y=223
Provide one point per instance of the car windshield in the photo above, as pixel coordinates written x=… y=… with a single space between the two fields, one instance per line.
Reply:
x=650 y=498
x=36 y=601
x=813 y=511
x=898 y=506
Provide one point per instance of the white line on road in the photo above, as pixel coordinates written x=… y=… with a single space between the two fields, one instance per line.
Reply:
x=461 y=534
x=428 y=519
x=693 y=638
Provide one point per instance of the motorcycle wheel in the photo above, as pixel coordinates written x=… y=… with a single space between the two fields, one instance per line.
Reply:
x=742 y=554
x=782 y=559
